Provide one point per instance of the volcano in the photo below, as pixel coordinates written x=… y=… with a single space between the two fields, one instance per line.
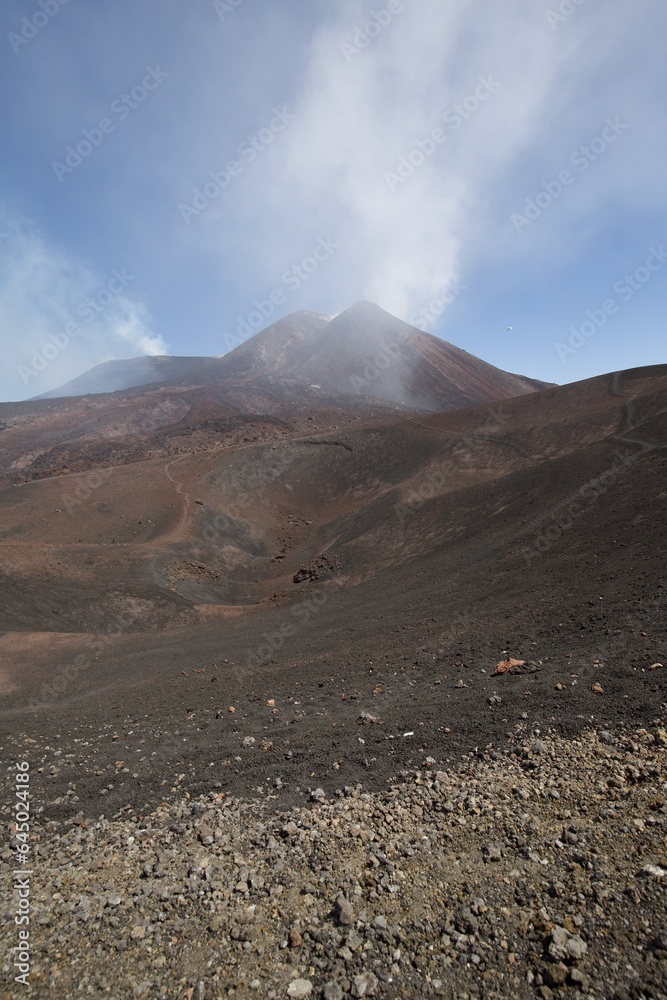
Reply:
x=321 y=542
x=364 y=352
x=363 y=361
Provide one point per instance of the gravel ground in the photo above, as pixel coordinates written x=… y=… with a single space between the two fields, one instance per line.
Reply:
x=535 y=873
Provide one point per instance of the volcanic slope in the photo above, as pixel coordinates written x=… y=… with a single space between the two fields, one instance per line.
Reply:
x=300 y=368
x=111 y=376
x=376 y=354
x=364 y=351
x=382 y=569
x=367 y=352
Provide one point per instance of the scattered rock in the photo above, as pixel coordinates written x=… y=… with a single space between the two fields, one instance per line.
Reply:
x=364 y=985
x=295 y=938
x=534 y=853
x=492 y=852
x=565 y=946
x=300 y=988
x=344 y=911
x=505 y=665
x=653 y=871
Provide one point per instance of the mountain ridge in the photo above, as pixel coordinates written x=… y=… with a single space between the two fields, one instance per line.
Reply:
x=363 y=351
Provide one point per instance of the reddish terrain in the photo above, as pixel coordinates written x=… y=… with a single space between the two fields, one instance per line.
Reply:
x=304 y=572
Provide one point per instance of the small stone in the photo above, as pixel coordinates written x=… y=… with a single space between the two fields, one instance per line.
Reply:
x=578 y=978
x=332 y=991
x=380 y=922
x=364 y=985
x=319 y=795
x=660 y=941
x=295 y=938
x=492 y=852
x=653 y=871
x=344 y=910
x=605 y=736
x=565 y=946
x=576 y=948
x=354 y=940
x=138 y=932
x=555 y=975
x=300 y=988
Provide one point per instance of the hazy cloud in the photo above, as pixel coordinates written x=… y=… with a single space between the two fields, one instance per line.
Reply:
x=371 y=99
x=59 y=317
x=415 y=131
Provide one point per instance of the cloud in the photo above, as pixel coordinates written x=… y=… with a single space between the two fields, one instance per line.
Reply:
x=512 y=99
x=367 y=90
x=133 y=325
x=58 y=317
x=361 y=159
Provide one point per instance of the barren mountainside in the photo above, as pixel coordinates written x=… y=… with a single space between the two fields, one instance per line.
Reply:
x=364 y=351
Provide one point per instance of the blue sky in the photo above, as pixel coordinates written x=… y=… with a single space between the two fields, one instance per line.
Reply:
x=169 y=167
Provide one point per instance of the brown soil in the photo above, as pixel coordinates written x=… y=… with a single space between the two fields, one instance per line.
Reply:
x=384 y=568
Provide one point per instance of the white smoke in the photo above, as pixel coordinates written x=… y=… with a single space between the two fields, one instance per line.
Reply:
x=59 y=318
x=366 y=102
x=372 y=93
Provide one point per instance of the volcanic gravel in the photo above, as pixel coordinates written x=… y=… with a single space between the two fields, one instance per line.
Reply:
x=282 y=757
x=536 y=872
